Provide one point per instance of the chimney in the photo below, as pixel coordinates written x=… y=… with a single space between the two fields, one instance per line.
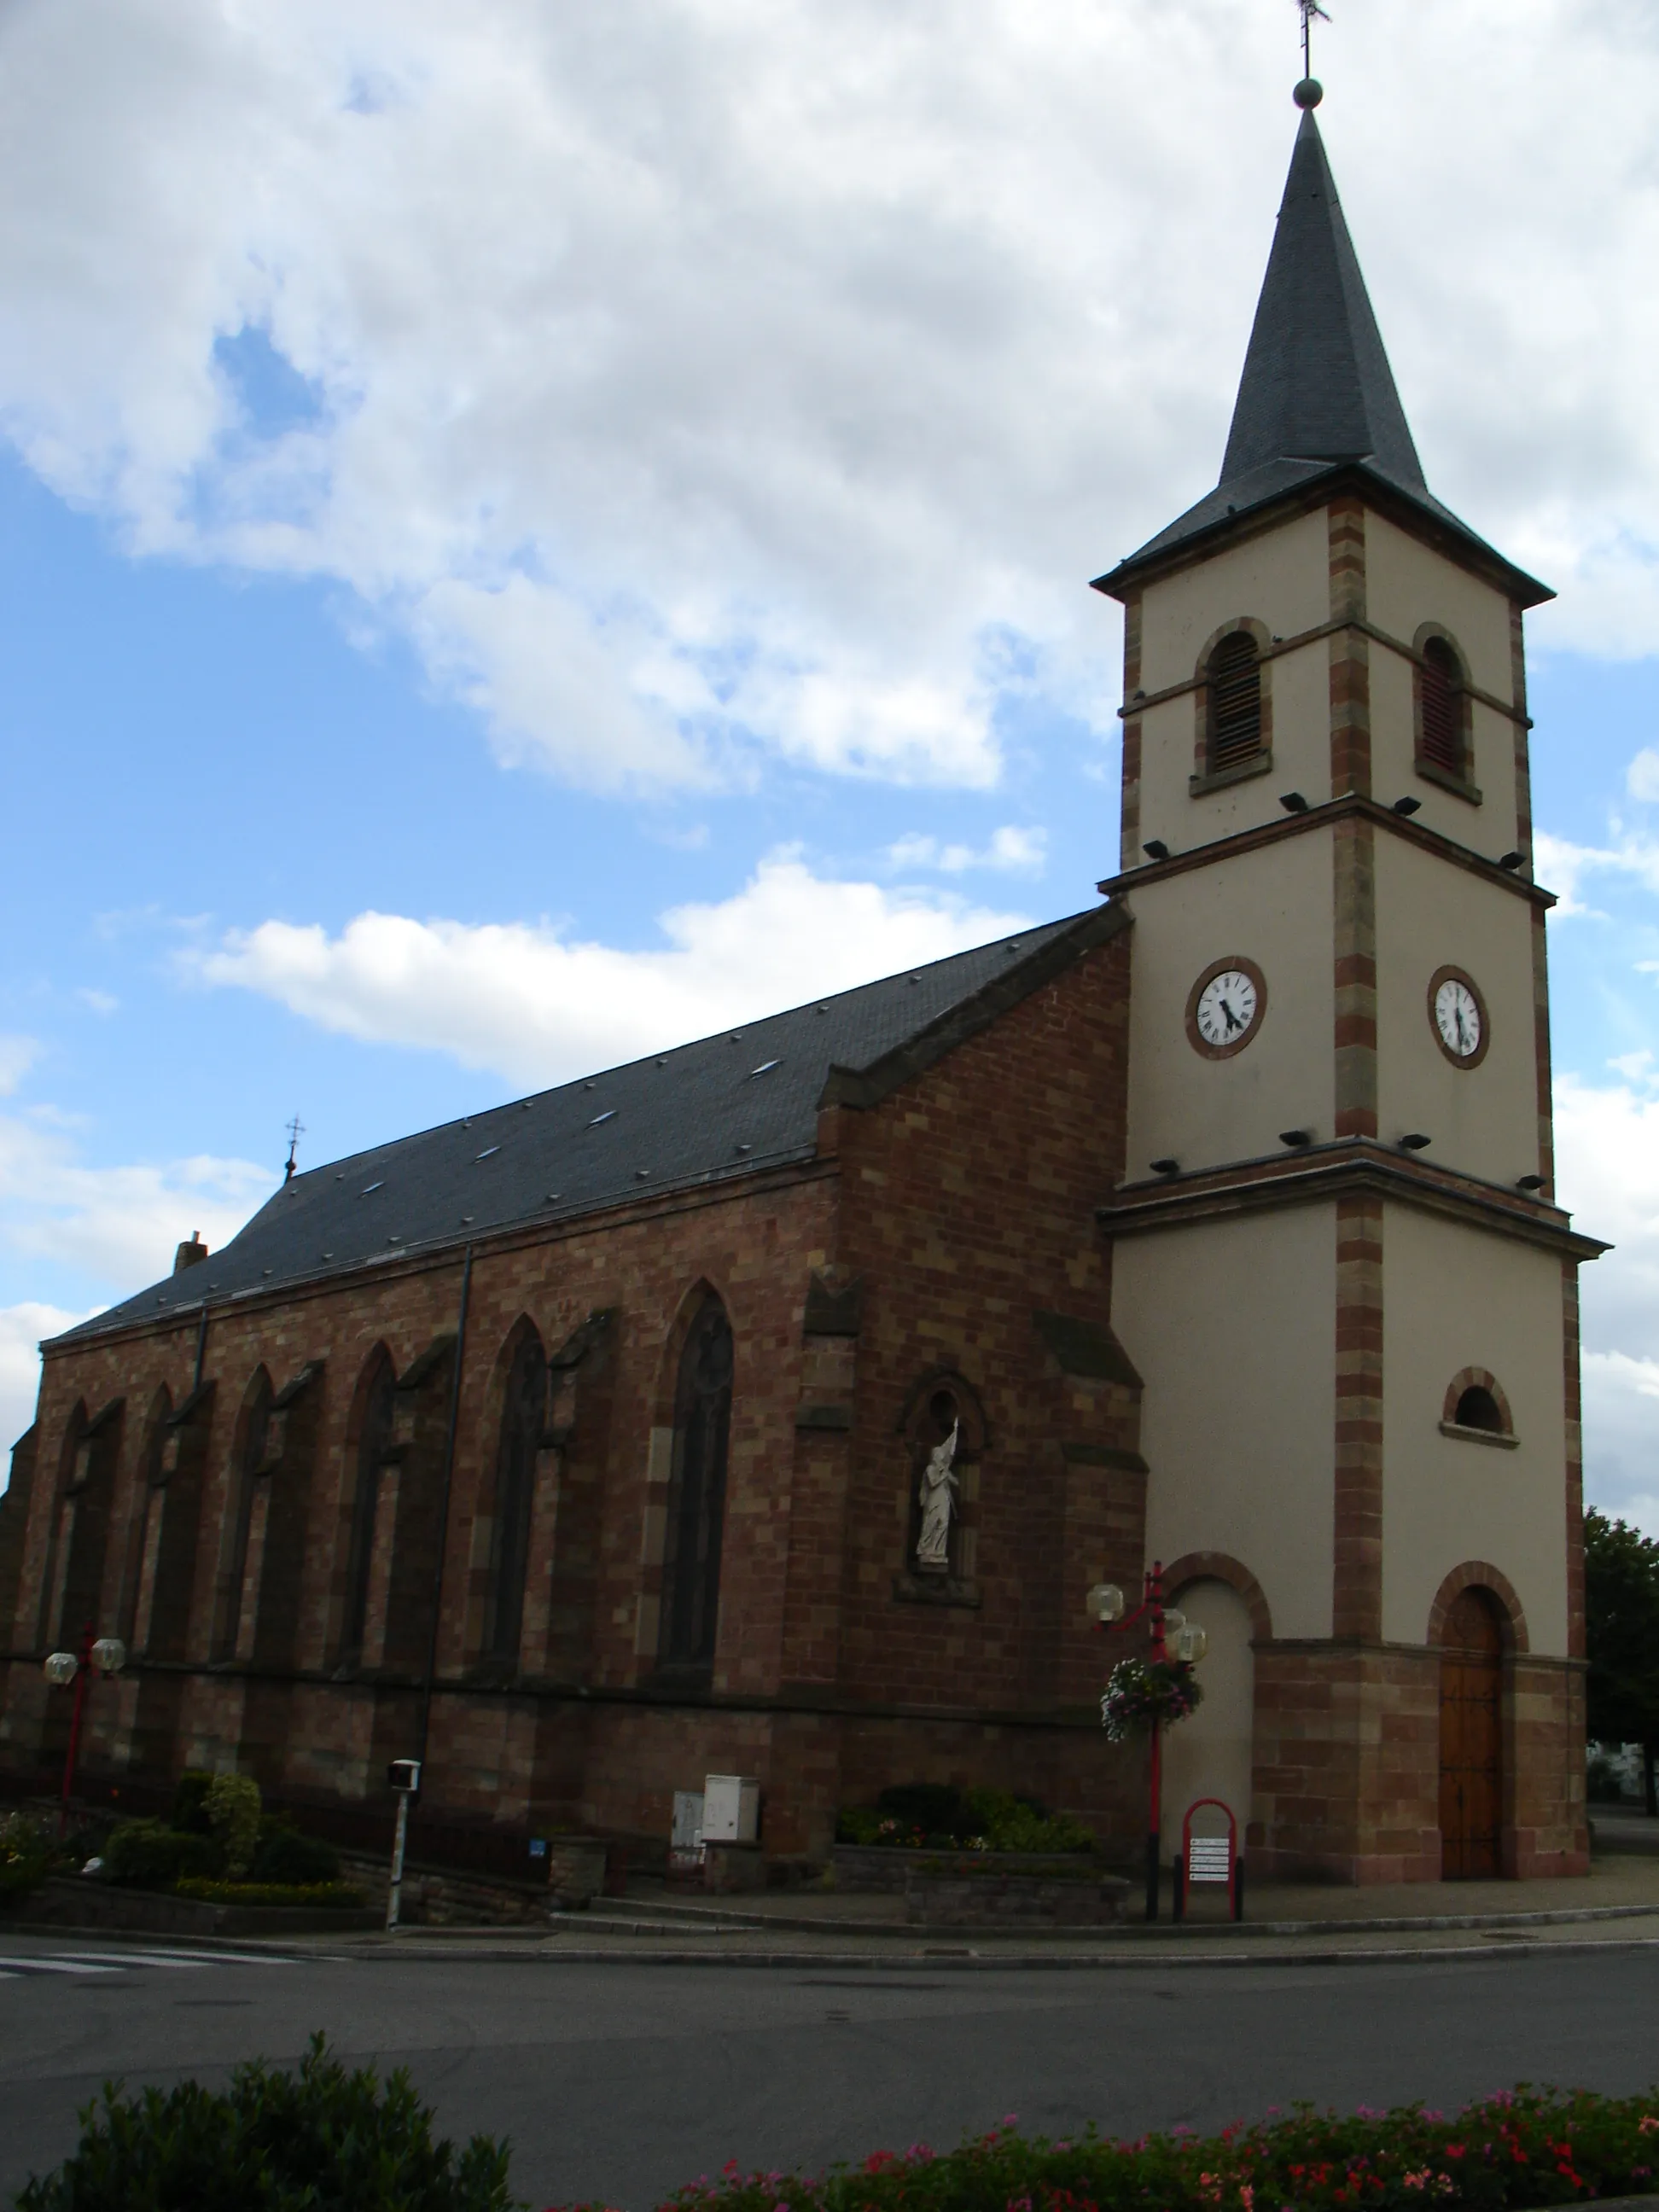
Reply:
x=188 y=1255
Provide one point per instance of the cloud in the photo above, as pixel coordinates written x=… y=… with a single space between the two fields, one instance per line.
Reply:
x=1642 y=776
x=22 y=1328
x=1015 y=851
x=17 y=1056
x=1607 y=1170
x=540 y=1008
x=114 y=1226
x=698 y=385
x=1563 y=865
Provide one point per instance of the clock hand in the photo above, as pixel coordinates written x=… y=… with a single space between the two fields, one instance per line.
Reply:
x=1233 y=1022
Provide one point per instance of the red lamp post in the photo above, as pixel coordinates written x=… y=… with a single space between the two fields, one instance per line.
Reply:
x=108 y=1655
x=1106 y=1606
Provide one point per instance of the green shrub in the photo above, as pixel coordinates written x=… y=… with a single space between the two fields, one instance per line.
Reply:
x=1519 y=2150
x=232 y=1811
x=330 y=1893
x=26 y=1853
x=149 y=1855
x=190 y=1796
x=284 y=1855
x=929 y=1816
x=319 y=2140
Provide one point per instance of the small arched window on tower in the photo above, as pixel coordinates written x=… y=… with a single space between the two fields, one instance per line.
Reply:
x=1233 y=675
x=1440 y=711
x=1477 y=1409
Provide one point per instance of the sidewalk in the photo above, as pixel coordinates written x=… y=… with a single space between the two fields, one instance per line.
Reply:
x=1615 y=1906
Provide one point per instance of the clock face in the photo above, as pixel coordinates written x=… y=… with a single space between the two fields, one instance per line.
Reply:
x=1460 y=1023
x=1225 y=1007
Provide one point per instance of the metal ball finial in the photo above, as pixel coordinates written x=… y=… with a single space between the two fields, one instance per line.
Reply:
x=1309 y=93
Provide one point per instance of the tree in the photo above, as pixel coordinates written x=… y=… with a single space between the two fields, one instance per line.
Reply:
x=1621 y=1620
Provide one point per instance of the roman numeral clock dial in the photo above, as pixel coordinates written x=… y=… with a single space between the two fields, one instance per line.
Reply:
x=1224 y=1007
x=1457 y=1015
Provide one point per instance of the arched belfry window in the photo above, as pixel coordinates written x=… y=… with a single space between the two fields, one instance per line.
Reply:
x=1440 y=709
x=1233 y=676
x=523 y=1424
x=697 y=1494
x=374 y=1443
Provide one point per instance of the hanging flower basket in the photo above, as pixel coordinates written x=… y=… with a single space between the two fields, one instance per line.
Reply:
x=1141 y=1691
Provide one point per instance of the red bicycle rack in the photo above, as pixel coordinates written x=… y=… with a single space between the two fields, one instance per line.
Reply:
x=1209 y=1858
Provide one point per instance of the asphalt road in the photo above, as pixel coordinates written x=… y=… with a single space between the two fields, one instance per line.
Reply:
x=619 y=2082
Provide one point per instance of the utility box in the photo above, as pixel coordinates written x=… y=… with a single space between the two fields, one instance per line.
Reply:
x=731 y=1808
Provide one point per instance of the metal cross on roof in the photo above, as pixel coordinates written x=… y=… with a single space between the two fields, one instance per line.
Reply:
x=1310 y=9
x=296 y=1129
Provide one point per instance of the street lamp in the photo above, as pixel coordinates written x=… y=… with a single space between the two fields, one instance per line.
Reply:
x=107 y=1655
x=1106 y=1605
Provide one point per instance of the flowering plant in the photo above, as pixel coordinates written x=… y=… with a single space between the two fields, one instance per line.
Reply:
x=1523 y=2148
x=1142 y=1691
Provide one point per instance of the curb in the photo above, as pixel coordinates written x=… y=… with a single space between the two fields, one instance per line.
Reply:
x=681 y=1922
x=966 y=1960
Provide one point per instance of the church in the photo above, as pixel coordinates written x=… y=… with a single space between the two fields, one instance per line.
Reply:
x=770 y=1406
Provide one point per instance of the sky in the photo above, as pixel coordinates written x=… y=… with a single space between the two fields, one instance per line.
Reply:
x=528 y=534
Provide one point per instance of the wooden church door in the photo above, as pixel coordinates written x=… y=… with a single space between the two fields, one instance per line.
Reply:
x=1471 y=1724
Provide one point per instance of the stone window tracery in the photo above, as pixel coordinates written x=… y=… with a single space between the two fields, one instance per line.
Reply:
x=695 y=1515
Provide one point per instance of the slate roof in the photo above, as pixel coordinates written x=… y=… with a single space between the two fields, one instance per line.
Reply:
x=1318 y=394
x=703 y=1113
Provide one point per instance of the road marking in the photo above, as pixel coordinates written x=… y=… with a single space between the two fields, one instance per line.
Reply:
x=44 y=1966
x=118 y=1959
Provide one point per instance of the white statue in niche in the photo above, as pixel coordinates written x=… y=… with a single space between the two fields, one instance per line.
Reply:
x=937 y=1498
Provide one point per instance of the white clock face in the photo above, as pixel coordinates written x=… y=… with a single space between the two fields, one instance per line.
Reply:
x=1226 y=1009
x=1457 y=1018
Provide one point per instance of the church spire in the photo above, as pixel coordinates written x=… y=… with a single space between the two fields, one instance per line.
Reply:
x=1317 y=397
x=1316 y=384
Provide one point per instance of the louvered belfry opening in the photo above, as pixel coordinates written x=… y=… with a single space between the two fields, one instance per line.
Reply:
x=1235 y=720
x=1440 y=689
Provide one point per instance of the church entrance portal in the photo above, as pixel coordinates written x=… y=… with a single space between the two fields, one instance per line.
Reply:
x=1471 y=1761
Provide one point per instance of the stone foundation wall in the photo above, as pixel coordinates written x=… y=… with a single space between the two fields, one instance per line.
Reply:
x=1347 y=1784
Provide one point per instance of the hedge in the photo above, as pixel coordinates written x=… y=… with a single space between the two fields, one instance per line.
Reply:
x=26 y=1853
x=151 y=1856
x=1520 y=2148
x=319 y=2140
x=333 y=1895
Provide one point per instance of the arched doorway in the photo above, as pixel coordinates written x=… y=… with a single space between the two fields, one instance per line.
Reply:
x=1471 y=1736
x=1211 y=1753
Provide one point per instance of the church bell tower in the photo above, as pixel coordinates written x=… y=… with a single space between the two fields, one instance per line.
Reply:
x=1338 y=1261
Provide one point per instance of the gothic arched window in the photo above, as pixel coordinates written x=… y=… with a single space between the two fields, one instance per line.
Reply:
x=1233 y=674
x=373 y=1441
x=697 y=1494
x=253 y=1434
x=1440 y=709
x=523 y=1423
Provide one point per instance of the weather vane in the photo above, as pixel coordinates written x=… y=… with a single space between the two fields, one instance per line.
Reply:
x=296 y=1129
x=1307 y=91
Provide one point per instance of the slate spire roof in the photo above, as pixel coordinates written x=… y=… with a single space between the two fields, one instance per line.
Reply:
x=1316 y=384
x=1317 y=394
